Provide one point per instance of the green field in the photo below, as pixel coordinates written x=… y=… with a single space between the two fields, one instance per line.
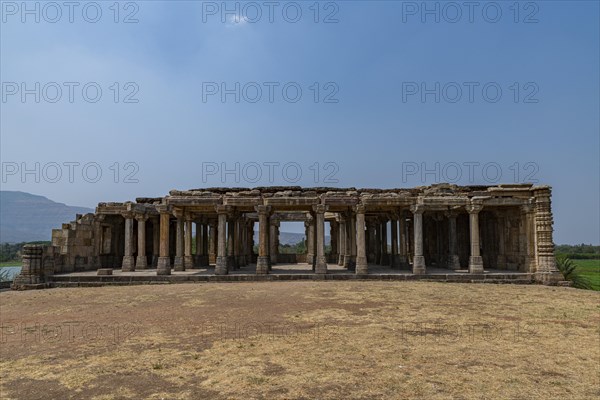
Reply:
x=13 y=263
x=590 y=269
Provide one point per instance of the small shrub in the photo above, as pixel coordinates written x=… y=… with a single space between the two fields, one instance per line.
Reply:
x=569 y=270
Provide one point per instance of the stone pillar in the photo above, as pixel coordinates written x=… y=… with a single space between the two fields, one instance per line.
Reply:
x=204 y=261
x=394 y=234
x=212 y=242
x=178 y=260
x=188 y=259
x=350 y=257
x=341 y=240
x=453 y=260
x=240 y=235
x=274 y=240
x=164 y=260
x=231 y=255
x=385 y=260
x=310 y=240
x=475 y=260
x=528 y=238
x=141 y=261
x=546 y=270
x=334 y=234
x=221 y=261
x=32 y=273
x=198 y=255
x=321 y=260
x=262 y=263
x=362 y=266
x=403 y=240
x=155 y=240
x=128 y=260
x=418 y=259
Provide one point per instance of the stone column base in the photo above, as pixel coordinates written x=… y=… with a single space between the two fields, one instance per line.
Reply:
x=548 y=278
x=361 y=266
x=178 y=264
x=340 y=260
x=163 y=266
x=419 y=267
x=262 y=265
x=453 y=262
x=128 y=264
x=155 y=261
x=188 y=262
x=321 y=265
x=475 y=265
x=221 y=266
x=141 y=262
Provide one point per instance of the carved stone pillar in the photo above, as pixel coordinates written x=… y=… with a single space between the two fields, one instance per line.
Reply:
x=141 y=261
x=155 y=240
x=188 y=259
x=394 y=233
x=310 y=240
x=128 y=260
x=199 y=248
x=263 y=261
x=385 y=260
x=350 y=258
x=240 y=240
x=221 y=261
x=321 y=261
x=501 y=230
x=179 y=237
x=527 y=239
x=453 y=259
x=212 y=242
x=475 y=260
x=334 y=234
x=342 y=240
x=418 y=259
x=403 y=240
x=164 y=260
x=546 y=270
x=362 y=266
x=231 y=254
x=274 y=240
x=371 y=241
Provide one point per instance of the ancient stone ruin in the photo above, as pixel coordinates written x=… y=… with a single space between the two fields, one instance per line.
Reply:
x=441 y=231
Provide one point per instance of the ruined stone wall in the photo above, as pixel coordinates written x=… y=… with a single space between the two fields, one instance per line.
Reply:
x=73 y=245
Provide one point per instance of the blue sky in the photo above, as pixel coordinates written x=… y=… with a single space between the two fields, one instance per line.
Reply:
x=544 y=125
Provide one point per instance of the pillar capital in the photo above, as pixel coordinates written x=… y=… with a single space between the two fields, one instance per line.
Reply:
x=128 y=214
x=320 y=208
x=223 y=209
x=474 y=208
x=141 y=217
x=163 y=209
x=263 y=209
x=178 y=213
x=359 y=209
x=417 y=208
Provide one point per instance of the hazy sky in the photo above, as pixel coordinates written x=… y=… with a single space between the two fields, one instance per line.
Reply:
x=388 y=89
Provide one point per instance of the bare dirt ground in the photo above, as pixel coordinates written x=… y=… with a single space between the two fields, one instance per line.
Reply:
x=301 y=340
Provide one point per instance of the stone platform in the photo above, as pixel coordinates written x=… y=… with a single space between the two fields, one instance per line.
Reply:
x=284 y=272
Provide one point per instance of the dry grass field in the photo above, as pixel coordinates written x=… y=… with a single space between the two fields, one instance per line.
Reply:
x=301 y=340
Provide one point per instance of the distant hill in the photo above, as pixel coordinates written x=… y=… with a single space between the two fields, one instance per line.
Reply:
x=26 y=217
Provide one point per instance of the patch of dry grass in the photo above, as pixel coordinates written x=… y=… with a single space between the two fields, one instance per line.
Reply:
x=328 y=340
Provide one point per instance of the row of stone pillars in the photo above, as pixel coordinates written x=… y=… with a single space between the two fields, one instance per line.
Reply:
x=357 y=240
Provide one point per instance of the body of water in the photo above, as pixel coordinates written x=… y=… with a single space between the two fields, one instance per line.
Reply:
x=12 y=271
